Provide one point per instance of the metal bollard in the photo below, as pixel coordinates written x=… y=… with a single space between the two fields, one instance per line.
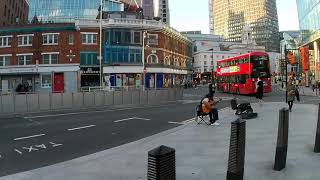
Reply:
x=282 y=141
x=317 y=143
x=237 y=150
x=162 y=164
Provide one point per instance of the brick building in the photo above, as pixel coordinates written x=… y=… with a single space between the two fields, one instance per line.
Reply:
x=13 y=12
x=167 y=54
x=45 y=57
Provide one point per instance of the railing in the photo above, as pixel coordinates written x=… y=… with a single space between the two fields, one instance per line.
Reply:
x=24 y=103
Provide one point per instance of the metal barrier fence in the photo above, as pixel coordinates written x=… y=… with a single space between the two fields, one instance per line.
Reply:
x=23 y=103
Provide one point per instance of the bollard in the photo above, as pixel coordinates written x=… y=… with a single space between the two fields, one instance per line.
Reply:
x=317 y=143
x=162 y=164
x=237 y=150
x=282 y=141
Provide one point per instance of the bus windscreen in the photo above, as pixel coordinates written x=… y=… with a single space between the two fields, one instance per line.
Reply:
x=261 y=67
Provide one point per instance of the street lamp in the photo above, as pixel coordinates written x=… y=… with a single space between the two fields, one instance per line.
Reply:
x=100 y=45
x=144 y=34
x=212 y=69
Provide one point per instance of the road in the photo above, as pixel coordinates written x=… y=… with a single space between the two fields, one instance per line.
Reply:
x=36 y=140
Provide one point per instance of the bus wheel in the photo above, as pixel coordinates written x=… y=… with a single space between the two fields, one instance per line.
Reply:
x=238 y=91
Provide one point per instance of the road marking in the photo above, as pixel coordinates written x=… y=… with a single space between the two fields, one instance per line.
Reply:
x=76 y=113
x=128 y=119
x=28 y=137
x=88 y=112
x=183 y=122
x=16 y=150
x=180 y=123
x=30 y=149
x=84 y=127
x=55 y=144
x=41 y=146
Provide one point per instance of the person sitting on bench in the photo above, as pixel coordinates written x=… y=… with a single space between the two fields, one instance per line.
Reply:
x=208 y=107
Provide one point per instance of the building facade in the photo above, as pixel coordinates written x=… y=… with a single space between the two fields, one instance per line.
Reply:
x=139 y=52
x=13 y=12
x=157 y=9
x=45 y=57
x=228 y=18
x=69 y=10
x=309 y=14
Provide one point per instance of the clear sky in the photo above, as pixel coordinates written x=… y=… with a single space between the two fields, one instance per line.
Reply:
x=188 y=16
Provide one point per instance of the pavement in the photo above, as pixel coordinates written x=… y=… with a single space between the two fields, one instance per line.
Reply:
x=304 y=91
x=202 y=151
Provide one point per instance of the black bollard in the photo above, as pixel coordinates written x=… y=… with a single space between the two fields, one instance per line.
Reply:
x=162 y=164
x=317 y=143
x=282 y=141
x=237 y=150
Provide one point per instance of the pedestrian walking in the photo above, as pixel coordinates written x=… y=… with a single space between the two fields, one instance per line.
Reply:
x=291 y=90
x=259 y=91
x=313 y=84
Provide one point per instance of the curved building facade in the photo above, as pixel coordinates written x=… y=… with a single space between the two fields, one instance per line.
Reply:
x=69 y=10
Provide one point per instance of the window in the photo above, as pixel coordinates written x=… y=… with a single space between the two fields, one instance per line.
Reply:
x=153 y=39
x=24 y=59
x=89 y=58
x=71 y=39
x=50 y=39
x=205 y=62
x=152 y=59
x=205 y=56
x=46 y=81
x=89 y=38
x=211 y=63
x=127 y=37
x=137 y=37
x=5 y=60
x=5 y=41
x=25 y=40
x=50 y=58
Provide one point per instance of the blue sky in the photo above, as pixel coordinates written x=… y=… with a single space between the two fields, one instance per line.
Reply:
x=186 y=16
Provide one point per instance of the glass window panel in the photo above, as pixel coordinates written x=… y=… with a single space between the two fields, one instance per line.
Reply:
x=54 y=58
x=21 y=60
x=28 y=60
x=46 y=80
x=46 y=59
x=137 y=37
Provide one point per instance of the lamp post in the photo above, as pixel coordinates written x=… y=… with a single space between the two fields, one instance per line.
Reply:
x=100 y=45
x=143 y=64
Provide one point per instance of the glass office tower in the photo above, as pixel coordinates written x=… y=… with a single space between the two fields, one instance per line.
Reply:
x=69 y=10
x=309 y=14
x=228 y=17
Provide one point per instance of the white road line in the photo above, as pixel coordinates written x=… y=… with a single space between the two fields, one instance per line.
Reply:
x=145 y=119
x=28 y=137
x=76 y=113
x=84 y=127
x=183 y=122
x=132 y=118
x=121 y=120
x=180 y=123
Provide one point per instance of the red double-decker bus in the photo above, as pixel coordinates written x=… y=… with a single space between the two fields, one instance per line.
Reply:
x=240 y=74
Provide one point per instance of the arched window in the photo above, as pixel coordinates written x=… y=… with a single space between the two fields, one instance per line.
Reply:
x=152 y=59
x=167 y=60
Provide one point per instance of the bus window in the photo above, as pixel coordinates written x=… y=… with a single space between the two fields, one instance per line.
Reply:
x=260 y=67
x=242 y=79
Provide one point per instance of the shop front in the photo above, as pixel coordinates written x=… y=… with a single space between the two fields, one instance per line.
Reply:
x=90 y=77
x=39 y=79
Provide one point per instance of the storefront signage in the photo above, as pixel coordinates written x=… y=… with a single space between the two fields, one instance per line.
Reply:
x=89 y=71
x=230 y=69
